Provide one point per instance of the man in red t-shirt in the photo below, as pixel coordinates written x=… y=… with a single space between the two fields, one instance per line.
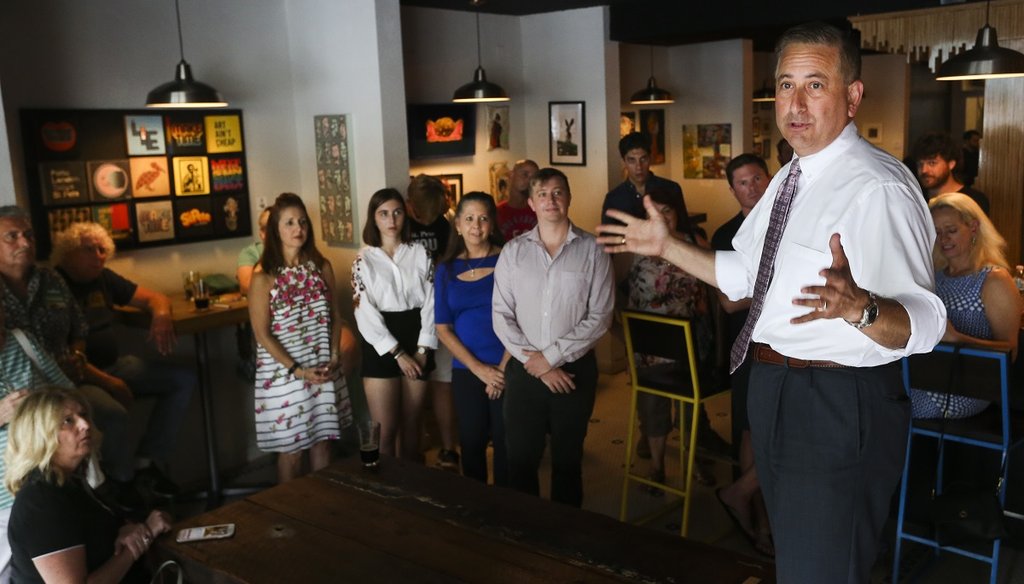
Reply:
x=514 y=215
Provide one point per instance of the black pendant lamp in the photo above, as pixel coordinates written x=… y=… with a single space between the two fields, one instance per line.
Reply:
x=184 y=91
x=987 y=60
x=480 y=89
x=652 y=94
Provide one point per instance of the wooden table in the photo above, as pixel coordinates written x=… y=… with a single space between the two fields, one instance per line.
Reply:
x=189 y=321
x=409 y=523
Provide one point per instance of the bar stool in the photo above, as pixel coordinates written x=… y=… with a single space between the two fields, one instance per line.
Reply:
x=669 y=338
x=975 y=373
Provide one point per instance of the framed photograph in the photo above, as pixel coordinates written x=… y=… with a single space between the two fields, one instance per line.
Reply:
x=149 y=176
x=144 y=135
x=155 y=221
x=334 y=183
x=873 y=133
x=453 y=188
x=497 y=127
x=652 y=123
x=627 y=123
x=499 y=173
x=567 y=133
x=442 y=130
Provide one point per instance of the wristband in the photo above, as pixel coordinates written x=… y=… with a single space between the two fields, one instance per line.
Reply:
x=291 y=370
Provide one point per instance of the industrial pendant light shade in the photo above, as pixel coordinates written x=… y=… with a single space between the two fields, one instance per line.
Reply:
x=184 y=91
x=765 y=94
x=652 y=94
x=480 y=89
x=987 y=60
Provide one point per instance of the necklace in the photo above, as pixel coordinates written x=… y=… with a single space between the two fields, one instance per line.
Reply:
x=472 y=268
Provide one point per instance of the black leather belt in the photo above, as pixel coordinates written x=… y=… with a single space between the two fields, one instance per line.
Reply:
x=765 y=354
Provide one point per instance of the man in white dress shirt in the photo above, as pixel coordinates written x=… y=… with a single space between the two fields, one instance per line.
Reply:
x=553 y=300
x=849 y=293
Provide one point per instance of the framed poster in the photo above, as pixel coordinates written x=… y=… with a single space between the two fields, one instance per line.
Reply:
x=627 y=123
x=452 y=187
x=441 y=130
x=63 y=183
x=497 y=127
x=144 y=135
x=109 y=180
x=191 y=176
x=126 y=169
x=155 y=221
x=149 y=176
x=334 y=180
x=707 y=149
x=567 y=133
x=652 y=123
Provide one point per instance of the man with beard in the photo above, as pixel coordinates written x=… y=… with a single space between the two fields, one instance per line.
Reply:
x=938 y=160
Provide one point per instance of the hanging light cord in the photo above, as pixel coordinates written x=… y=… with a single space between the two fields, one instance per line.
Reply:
x=181 y=44
x=479 y=62
x=652 y=57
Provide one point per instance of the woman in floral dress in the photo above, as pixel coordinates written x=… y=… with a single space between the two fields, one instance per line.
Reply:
x=301 y=396
x=660 y=287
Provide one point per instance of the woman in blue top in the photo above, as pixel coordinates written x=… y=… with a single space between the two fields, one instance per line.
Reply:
x=463 y=286
x=973 y=280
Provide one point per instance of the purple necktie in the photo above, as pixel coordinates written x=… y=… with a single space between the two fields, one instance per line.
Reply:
x=776 y=225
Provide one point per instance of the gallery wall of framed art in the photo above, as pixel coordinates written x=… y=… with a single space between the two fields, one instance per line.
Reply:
x=151 y=178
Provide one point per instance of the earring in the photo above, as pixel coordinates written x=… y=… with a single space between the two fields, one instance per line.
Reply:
x=974 y=240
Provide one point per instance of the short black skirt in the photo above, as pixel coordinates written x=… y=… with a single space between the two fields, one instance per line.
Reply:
x=405 y=327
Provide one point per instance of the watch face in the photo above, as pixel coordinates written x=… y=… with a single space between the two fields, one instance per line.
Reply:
x=872 y=312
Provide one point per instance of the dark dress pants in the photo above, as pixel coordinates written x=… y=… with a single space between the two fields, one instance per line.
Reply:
x=532 y=411
x=480 y=421
x=829 y=447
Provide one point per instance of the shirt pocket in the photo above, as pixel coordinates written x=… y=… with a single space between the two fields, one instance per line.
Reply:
x=572 y=294
x=798 y=266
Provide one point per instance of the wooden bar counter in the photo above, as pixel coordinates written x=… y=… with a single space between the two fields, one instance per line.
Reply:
x=408 y=523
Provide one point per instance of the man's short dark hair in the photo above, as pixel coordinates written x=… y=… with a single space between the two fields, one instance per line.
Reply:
x=14 y=212
x=545 y=174
x=970 y=134
x=820 y=33
x=634 y=140
x=935 y=144
x=743 y=160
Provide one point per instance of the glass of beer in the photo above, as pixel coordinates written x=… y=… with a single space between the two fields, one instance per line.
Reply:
x=200 y=294
x=369 y=443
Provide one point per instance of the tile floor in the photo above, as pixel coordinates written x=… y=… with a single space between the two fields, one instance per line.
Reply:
x=603 y=472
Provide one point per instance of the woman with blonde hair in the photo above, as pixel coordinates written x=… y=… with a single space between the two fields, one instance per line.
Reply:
x=973 y=280
x=59 y=530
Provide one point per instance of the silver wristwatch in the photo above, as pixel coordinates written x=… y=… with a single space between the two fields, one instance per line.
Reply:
x=870 y=313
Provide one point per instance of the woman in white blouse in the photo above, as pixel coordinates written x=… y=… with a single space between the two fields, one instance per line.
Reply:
x=393 y=299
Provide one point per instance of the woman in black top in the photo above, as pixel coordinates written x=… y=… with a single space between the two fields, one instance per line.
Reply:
x=59 y=530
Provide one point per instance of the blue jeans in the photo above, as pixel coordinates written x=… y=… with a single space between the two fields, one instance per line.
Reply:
x=171 y=385
x=480 y=420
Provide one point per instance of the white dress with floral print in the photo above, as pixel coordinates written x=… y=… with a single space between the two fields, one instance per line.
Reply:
x=291 y=414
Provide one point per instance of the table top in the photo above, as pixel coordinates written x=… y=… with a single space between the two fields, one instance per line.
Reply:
x=409 y=523
x=226 y=310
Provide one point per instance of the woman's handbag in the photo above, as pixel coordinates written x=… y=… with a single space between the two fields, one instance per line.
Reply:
x=964 y=515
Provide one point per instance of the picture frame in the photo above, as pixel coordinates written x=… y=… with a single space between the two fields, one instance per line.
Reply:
x=452 y=186
x=441 y=130
x=567 y=133
x=627 y=122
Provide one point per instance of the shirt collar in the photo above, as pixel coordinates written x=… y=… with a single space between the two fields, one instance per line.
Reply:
x=534 y=234
x=814 y=164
